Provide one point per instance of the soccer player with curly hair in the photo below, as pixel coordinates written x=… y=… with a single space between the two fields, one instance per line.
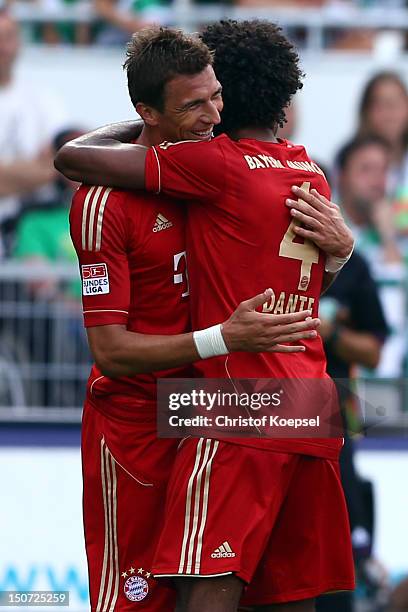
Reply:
x=258 y=511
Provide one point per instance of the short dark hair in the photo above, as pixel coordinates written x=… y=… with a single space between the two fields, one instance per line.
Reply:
x=356 y=144
x=258 y=69
x=156 y=55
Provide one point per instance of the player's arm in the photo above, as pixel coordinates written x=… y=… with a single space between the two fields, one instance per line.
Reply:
x=181 y=170
x=105 y=157
x=119 y=352
x=322 y=222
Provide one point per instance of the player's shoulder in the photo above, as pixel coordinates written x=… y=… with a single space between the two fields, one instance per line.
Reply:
x=97 y=205
x=93 y=192
x=97 y=196
x=301 y=151
x=194 y=146
x=97 y=212
x=294 y=149
x=300 y=159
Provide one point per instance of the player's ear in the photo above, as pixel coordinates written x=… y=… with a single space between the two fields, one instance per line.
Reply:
x=149 y=114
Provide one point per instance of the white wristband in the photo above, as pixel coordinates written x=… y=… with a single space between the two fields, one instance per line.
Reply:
x=335 y=264
x=210 y=342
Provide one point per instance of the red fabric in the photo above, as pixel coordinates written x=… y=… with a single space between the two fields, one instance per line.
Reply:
x=279 y=521
x=237 y=221
x=125 y=470
x=145 y=264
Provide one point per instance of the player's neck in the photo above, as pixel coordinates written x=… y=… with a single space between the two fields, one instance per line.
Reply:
x=255 y=133
x=150 y=136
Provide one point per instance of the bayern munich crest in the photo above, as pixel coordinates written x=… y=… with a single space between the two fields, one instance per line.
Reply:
x=136 y=588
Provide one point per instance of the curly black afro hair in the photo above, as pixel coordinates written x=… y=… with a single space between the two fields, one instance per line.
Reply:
x=258 y=69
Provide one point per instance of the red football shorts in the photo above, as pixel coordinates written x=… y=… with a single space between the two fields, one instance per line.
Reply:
x=125 y=473
x=278 y=521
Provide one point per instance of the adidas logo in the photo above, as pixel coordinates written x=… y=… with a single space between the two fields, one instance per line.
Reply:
x=223 y=551
x=161 y=223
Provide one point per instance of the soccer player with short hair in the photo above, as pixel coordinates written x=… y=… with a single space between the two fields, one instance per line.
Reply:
x=131 y=249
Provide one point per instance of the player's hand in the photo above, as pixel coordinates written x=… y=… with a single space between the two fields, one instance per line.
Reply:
x=321 y=221
x=258 y=332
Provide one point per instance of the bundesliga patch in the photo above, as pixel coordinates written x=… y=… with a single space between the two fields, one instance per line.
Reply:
x=136 y=588
x=95 y=279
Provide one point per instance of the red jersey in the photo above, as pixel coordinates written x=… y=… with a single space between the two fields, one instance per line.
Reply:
x=131 y=251
x=240 y=241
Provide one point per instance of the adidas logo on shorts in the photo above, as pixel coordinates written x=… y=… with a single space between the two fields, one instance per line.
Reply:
x=223 y=551
x=161 y=223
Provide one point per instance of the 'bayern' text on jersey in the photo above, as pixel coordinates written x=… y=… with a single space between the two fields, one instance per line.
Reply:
x=240 y=241
x=132 y=258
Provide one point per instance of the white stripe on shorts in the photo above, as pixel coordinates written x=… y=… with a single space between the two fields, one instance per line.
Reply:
x=110 y=567
x=204 y=509
x=205 y=452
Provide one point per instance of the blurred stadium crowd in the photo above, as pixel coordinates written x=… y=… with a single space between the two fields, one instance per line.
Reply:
x=43 y=353
x=109 y=22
